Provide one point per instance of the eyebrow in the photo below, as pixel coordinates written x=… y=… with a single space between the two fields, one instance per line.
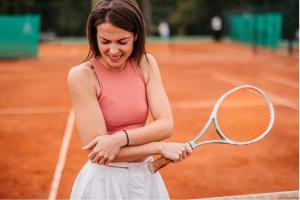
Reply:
x=117 y=40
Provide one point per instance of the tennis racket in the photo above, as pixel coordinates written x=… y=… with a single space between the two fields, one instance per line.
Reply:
x=241 y=116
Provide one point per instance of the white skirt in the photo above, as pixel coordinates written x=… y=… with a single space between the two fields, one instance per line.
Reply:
x=118 y=181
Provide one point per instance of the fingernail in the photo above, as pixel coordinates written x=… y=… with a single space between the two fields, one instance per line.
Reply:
x=84 y=147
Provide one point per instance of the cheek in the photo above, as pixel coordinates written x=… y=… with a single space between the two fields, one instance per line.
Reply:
x=103 y=48
x=129 y=48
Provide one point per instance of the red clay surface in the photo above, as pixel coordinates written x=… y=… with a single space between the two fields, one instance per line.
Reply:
x=195 y=75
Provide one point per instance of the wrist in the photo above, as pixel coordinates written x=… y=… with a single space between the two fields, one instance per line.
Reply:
x=121 y=138
x=124 y=138
x=158 y=147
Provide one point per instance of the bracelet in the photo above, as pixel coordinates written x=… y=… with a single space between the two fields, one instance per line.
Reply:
x=126 y=137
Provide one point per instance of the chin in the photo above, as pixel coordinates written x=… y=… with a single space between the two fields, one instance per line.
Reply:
x=116 y=64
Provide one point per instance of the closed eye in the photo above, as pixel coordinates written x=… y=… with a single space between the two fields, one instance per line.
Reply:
x=105 y=42
x=122 y=41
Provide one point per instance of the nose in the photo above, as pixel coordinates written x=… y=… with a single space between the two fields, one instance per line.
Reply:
x=113 y=49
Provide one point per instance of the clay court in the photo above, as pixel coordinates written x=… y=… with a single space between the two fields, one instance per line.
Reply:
x=38 y=140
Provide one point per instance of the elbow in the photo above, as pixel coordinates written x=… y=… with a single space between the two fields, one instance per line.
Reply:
x=168 y=129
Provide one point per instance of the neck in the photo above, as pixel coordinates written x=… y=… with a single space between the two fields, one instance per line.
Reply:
x=110 y=68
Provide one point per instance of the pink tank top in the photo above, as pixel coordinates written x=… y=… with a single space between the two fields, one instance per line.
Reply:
x=123 y=99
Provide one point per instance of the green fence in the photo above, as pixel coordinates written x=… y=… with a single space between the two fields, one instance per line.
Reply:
x=19 y=36
x=259 y=29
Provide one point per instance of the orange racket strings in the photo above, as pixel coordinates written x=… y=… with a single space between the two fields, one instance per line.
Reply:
x=243 y=115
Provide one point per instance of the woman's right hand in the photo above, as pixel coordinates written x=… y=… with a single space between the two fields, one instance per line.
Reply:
x=175 y=151
x=104 y=148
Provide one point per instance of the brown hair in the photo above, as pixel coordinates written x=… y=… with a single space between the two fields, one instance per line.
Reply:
x=124 y=14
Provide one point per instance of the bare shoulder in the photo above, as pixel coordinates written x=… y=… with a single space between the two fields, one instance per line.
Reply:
x=149 y=66
x=148 y=60
x=82 y=74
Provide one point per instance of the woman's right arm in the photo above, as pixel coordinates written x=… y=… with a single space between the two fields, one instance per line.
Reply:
x=88 y=115
x=89 y=118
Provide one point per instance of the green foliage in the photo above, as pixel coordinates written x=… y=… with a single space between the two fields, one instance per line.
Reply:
x=185 y=15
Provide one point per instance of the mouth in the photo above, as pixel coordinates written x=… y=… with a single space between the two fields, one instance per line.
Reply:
x=115 y=58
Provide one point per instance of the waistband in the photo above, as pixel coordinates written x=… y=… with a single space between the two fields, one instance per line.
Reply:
x=128 y=165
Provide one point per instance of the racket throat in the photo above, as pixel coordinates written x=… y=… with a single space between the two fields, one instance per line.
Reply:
x=220 y=134
x=194 y=145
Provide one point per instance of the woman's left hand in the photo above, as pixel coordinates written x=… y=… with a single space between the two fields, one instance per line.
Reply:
x=105 y=148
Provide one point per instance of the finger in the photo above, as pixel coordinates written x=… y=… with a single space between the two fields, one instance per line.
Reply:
x=102 y=161
x=90 y=144
x=108 y=160
x=188 y=148
x=189 y=152
x=92 y=155
x=184 y=155
x=180 y=157
x=96 y=159
x=172 y=160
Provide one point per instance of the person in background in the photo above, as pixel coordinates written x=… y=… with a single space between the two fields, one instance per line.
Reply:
x=216 y=26
x=164 y=30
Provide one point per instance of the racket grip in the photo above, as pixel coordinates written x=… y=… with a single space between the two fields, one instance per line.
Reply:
x=157 y=164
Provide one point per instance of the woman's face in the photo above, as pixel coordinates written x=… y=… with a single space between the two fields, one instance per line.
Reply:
x=115 y=45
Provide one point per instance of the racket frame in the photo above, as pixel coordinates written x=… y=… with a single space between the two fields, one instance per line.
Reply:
x=213 y=118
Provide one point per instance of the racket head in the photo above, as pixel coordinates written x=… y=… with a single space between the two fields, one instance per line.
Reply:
x=243 y=115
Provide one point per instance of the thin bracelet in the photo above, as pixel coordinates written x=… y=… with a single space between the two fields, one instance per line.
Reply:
x=126 y=137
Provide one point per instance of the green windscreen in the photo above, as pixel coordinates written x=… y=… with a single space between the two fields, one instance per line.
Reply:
x=259 y=29
x=19 y=36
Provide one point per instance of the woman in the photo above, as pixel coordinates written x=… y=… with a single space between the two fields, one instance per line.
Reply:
x=112 y=93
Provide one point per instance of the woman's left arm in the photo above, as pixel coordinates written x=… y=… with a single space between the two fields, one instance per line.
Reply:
x=162 y=125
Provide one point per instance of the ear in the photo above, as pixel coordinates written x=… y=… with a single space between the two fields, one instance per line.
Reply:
x=135 y=37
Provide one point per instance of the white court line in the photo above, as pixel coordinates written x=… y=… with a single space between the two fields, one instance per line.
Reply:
x=33 y=110
x=281 y=80
x=274 y=98
x=260 y=196
x=62 y=157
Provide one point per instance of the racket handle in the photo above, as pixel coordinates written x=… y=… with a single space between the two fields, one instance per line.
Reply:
x=157 y=164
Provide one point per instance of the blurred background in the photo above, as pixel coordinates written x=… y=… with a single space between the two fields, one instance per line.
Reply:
x=203 y=47
x=271 y=23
